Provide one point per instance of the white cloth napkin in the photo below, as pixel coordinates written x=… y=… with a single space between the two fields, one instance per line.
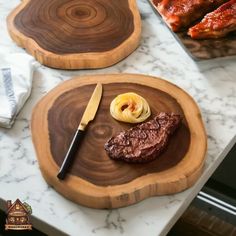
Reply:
x=16 y=71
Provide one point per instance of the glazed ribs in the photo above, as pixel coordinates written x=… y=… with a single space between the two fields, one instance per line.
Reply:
x=179 y=14
x=145 y=141
x=217 y=23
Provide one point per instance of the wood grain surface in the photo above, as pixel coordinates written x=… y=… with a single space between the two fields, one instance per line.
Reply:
x=71 y=34
x=97 y=168
x=97 y=181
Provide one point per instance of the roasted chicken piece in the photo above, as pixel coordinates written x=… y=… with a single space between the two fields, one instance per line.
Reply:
x=217 y=23
x=179 y=14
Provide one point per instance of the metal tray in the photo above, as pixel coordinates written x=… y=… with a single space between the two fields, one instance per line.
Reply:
x=204 y=49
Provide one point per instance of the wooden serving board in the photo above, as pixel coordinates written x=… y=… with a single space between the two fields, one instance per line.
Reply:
x=69 y=34
x=94 y=179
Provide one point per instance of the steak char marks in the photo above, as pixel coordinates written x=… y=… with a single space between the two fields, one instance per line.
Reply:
x=144 y=142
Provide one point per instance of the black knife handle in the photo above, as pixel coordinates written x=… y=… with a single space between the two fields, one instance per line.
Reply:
x=70 y=154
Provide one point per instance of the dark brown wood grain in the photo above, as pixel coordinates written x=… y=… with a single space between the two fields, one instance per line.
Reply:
x=91 y=162
x=71 y=34
x=83 y=26
x=95 y=180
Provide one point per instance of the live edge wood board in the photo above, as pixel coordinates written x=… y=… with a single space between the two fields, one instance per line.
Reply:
x=94 y=179
x=68 y=34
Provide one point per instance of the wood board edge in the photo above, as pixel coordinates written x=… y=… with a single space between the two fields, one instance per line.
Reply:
x=85 y=193
x=78 y=60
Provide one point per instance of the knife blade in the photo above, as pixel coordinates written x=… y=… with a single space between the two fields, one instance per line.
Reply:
x=88 y=115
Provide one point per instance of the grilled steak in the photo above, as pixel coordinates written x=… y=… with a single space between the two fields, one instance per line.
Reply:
x=145 y=141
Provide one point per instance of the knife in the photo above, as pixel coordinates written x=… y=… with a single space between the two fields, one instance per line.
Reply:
x=88 y=116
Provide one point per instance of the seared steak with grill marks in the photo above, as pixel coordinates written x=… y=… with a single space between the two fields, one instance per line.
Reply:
x=143 y=142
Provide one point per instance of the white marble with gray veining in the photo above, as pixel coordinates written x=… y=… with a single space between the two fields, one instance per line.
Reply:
x=212 y=85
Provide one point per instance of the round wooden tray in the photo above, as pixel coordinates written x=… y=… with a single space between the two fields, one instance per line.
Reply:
x=94 y=179
x=71 y=34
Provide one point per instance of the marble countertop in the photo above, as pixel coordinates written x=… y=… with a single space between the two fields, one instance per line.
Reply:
x=212 y=84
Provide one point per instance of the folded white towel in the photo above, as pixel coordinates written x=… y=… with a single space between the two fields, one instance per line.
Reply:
x=15 y=85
